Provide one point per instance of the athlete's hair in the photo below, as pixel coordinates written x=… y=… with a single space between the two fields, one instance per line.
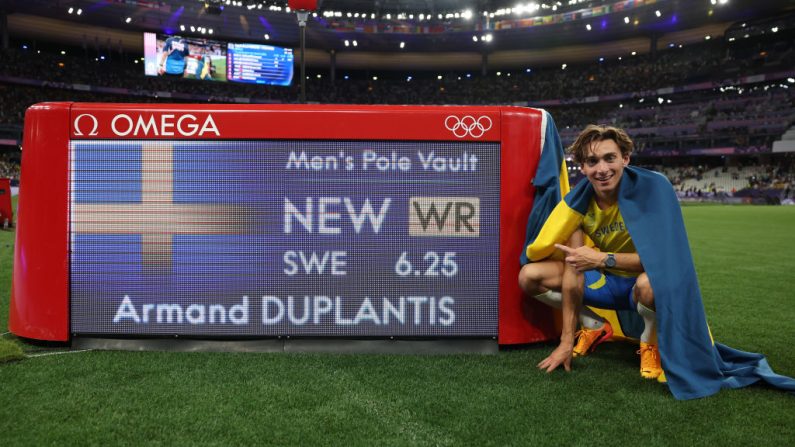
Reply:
x=594 y=133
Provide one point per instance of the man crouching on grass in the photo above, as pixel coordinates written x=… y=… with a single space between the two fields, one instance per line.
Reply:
x=640 y=261
x=611 y=277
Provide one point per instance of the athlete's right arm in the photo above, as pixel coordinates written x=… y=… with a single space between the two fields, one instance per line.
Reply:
x=572 y=290
x=161 y=65
x=167 y=49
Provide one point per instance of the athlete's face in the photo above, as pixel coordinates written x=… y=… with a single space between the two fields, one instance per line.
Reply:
x=603 y=167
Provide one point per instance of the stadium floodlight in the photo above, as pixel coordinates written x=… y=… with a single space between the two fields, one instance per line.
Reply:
x=439 y=77
x=71 y=10
x=499 y=73
x=774 y=29
x=563 y=67
x=182 y=27
x=128 y=20
x=467 y=14
x=588 y=26
x=657 y=13
x=267 y=37
x=660 y=100
x=474 y=38
x=347 y=43
x=355 y=43
x=707 y=37
x=634 y=53
x=79 y=11
x=402 y=45
x=375 y=78
x=210 y=31
x=626 y=20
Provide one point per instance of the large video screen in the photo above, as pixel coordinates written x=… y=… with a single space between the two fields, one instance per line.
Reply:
x=184 y=57
x=212 y=60
x=273 y=238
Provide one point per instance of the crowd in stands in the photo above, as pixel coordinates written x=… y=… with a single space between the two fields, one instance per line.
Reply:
x=772 y=180
x=714 y=60
x=743 y=119
x=9 y=167
x=740 y=118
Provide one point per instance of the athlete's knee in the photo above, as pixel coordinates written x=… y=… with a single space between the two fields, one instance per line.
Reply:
x=530 y=277
x=643 y=291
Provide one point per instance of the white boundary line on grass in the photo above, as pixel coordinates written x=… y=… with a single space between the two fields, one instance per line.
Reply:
x=5 y=333
x=58 y=353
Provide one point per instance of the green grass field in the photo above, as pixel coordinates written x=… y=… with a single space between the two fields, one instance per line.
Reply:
x=745 y=257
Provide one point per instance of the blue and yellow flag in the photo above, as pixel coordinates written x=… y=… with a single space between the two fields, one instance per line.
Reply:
x=551 y=182
x=694 y=365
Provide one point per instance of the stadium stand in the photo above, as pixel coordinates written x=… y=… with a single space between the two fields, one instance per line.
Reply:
x=725 y=103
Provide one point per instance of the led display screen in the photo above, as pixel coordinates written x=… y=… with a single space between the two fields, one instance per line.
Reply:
x=284 y=237
x=212 y=60
x=259 y=64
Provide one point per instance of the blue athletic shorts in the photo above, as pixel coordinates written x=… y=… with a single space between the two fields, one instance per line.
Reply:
x=607 y=291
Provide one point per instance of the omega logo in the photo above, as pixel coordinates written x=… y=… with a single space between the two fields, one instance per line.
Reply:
x=93 y=129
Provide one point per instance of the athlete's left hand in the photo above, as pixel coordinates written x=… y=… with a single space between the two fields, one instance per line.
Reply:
x=582 y=258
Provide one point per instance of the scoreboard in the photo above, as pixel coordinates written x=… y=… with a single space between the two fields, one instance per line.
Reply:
x=260 y=222
x=259 y=64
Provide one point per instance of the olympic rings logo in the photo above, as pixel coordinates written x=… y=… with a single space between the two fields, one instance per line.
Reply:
x=468 y=125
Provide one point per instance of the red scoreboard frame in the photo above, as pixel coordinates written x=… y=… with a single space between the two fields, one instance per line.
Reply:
x=40 y=301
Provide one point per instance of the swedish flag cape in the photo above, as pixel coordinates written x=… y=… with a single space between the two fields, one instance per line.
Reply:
x=694 y=365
